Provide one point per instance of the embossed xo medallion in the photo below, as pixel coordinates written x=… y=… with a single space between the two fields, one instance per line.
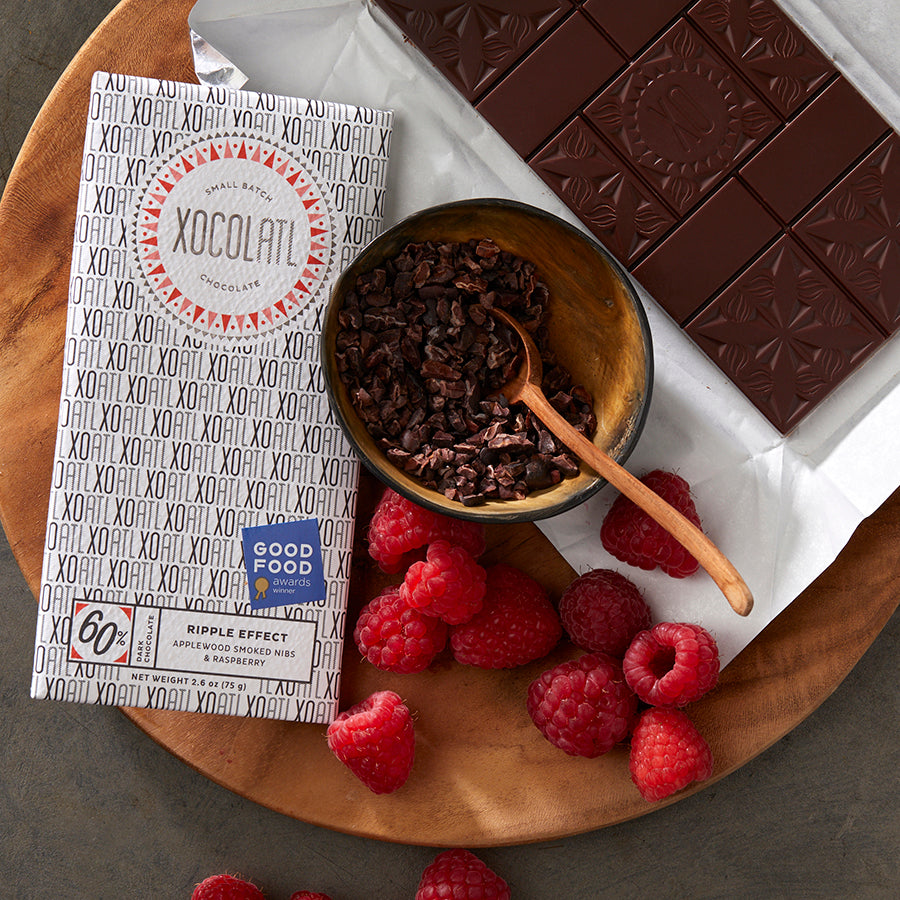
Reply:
x=681 y=117
x=684 y=116
x=233 y=236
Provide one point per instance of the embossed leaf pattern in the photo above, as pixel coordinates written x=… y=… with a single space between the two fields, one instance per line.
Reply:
x=579 y=190
x=446 y=48
x=833 y=312
x=574 y=156
x=494 y=50
x=649 y=223
x=810 y=288
x=423 y=24
x=684 y=45
x=760 y=381
x=717 y=13
x=576 y=144
x=786 y=44
x=682 y=190
x=735 y=357
x=787 y=67
x=809 y=383
x=789 y=90
x=846 y=207
x=594 y=184
x=608 y=114
x=870 y=187
x=869 y=279
x=755 y=122
x=830 y=360
x=601 y=215
x=760 y=288
x=503 y=32
x=518 y=28
x=762 y=16
x=737 y=309
x=846 y=257
x=472 y=41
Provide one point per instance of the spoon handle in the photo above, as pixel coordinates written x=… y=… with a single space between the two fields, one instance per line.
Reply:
x=720 y=569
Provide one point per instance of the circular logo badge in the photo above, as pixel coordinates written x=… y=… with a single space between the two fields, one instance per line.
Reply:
x=683 y=116
x=233 y=235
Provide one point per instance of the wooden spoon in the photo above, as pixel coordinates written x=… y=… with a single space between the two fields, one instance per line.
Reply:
x=525 y=387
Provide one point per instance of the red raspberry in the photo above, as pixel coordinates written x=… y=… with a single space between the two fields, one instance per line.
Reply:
x=672 y=664
x=583 y=706
x=376 y=741
x=399 y=527
x=449 y=584
x=468 y=535
x=460 y=875
x=667 y=753
x=226 y=887
x=602 y=611
x=308 y=895
x=516 y=625
x=395 y=637
x=631 y=536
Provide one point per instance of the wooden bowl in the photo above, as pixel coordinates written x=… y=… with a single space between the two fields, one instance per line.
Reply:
x=598 y=330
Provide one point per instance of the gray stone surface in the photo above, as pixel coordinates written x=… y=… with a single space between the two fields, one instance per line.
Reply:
x=92 y=808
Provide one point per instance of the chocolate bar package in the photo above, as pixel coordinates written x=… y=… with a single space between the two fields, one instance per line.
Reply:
x=203 y=498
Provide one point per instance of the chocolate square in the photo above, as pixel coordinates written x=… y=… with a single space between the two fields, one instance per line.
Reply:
x=621 y=212
x=681 y=118
x=855 y=231
x=767 y=48
x=785 y=333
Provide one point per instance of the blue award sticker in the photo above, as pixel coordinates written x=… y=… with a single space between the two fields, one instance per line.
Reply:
x=284 y=563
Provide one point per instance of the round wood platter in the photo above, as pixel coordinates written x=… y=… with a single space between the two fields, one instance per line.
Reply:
x=483 y=775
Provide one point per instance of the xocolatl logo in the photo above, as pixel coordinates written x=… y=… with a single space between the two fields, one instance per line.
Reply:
x=233 y=235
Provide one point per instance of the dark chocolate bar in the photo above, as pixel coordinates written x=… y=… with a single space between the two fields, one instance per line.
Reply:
x=733 y=170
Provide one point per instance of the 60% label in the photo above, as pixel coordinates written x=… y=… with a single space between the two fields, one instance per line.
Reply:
x=100 y=633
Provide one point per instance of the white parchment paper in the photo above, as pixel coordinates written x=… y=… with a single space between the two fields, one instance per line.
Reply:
x=780 y=507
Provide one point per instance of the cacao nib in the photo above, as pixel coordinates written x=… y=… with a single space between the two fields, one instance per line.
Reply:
x=423 y=362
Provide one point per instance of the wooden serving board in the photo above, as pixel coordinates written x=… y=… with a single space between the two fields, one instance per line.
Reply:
x=483 y=775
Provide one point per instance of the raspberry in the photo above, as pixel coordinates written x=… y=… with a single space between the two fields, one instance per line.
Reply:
x=226 y=887
x=468 y=535
x=449 y=584
x=667 y=753
x=308 y=895
x=376 y=741
x=631 y=536
x=395 y=637
x=583 y=706
x=672 y=664
x=399 y=527
x=516 y=625
x=460 y=875
x=602 y=611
